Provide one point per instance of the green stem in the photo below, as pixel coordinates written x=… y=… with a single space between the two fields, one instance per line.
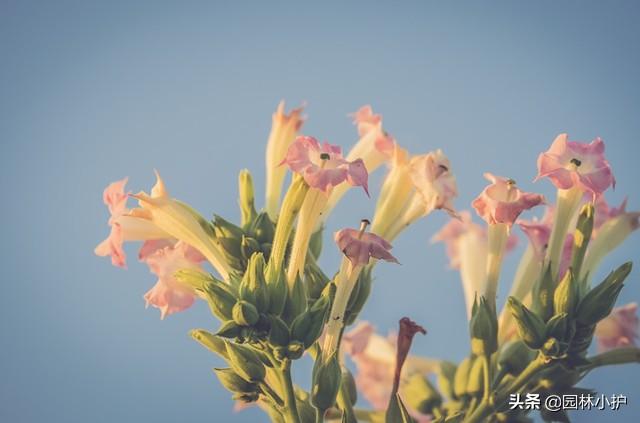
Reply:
x=319 y=416
x=610 y=358
x=290 y=406
x=487 y=406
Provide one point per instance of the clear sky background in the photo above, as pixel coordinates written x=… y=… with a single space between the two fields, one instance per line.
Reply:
x=92 y=92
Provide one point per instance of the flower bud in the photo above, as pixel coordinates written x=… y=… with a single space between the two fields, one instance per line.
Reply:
x=565 y=297
x=194 y=278
x=297 y=299
x=229 y=329
x=278 y=332
x=253 y=287
x=475 y=381
x=245 y=362
x=221 y=300
x=543 y=294
x=326 y=382
x=315 y=279
x=315 y=243
x=348 y=384
x=211 y=342
x=263 y=228
x=558 y=327
x=233 y=382
x=581 y=237
x=598 y=303
x=246 y=197
x=278 y=289
x=249 y=246
x=245 y=313
x=530 y=327
x=483 y=327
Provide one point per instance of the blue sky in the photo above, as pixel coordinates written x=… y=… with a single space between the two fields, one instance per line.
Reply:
x=91 y=92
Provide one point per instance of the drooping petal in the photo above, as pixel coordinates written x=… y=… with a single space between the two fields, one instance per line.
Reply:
x=360 y=246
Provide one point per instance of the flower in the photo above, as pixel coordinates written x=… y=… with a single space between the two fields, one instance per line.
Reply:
x=284 y=129
x=604 y=212
x=619 y=329
x=168 y=294
x=502 y=201
x=366 y=120
x=435 y=183
x=570 y=164
x=467 y=248
x=375 y=360
x=180 y=222
x=123 y=227
x=408 y=329
x=359 y=246
x=322 y=166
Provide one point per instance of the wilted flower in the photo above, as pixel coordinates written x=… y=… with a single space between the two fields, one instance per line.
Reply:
x=360 y=246
x=123 y=227
x=322 y=166
x=570 y=164
x=502 y=201
x=179 y=221
x=619 y=329
x=284 y=129
x=168 y=294
x=375 y=360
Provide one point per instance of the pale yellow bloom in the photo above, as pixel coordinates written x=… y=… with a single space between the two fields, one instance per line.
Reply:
x=284 y=129
x=180 y=222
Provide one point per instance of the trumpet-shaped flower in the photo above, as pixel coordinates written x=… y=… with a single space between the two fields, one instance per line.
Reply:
x=619 y=329
x=604 y=212
x=180 y=222
x=123 y=227
x=323 y=167
x=502 y=201
x=359 y=247
x=435 y=183
x=168 y=294
x=375 y=359
x=570 y=164
x=284 y=129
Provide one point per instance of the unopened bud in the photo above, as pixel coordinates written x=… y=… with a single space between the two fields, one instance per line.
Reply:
x=245 y=313
x=211 y=342
x=245 y=362
x=246 y=198
x=565 y=297
x=233 y=382
x=326 y=382
x=530 y=327
x=598 y=303
x=484 y=328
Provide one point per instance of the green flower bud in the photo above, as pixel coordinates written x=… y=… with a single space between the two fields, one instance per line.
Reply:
x=326 y=382
x=263 y=228
x=210 y=341
x=278 y=289
x=598 y=303
x=530 y=327
x=446 y=374
x=420 y=394
x=348 y=384
x=245 y=362
x=560 y=327
x=249 y=246
x=581 y=237
x=229 y=329
x=514 y=357
x=221 y=299
x=246 y=198
x=297 y=300
x=315 y=279
x=565 y=297
x=233 y=382
x=195 y=279
x=461 y=377
x=278 y=332
x=543 y=294
x=225 y=229
x=483 y=327
x=253 y=287
x=245 y=313
x=475 y=381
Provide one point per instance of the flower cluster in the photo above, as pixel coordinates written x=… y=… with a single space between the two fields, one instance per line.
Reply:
x=262 y=280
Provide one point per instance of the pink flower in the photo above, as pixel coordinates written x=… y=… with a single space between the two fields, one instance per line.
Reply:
x=323 y=166
x=370 y=130
x=431 y=175
x=360 y=246
x=460 y=225
x=123 y=226
x=168 y=294
x=604 y=212
x=366 y=120
x=570 y=164
x=502 y=201
x=619 y=329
